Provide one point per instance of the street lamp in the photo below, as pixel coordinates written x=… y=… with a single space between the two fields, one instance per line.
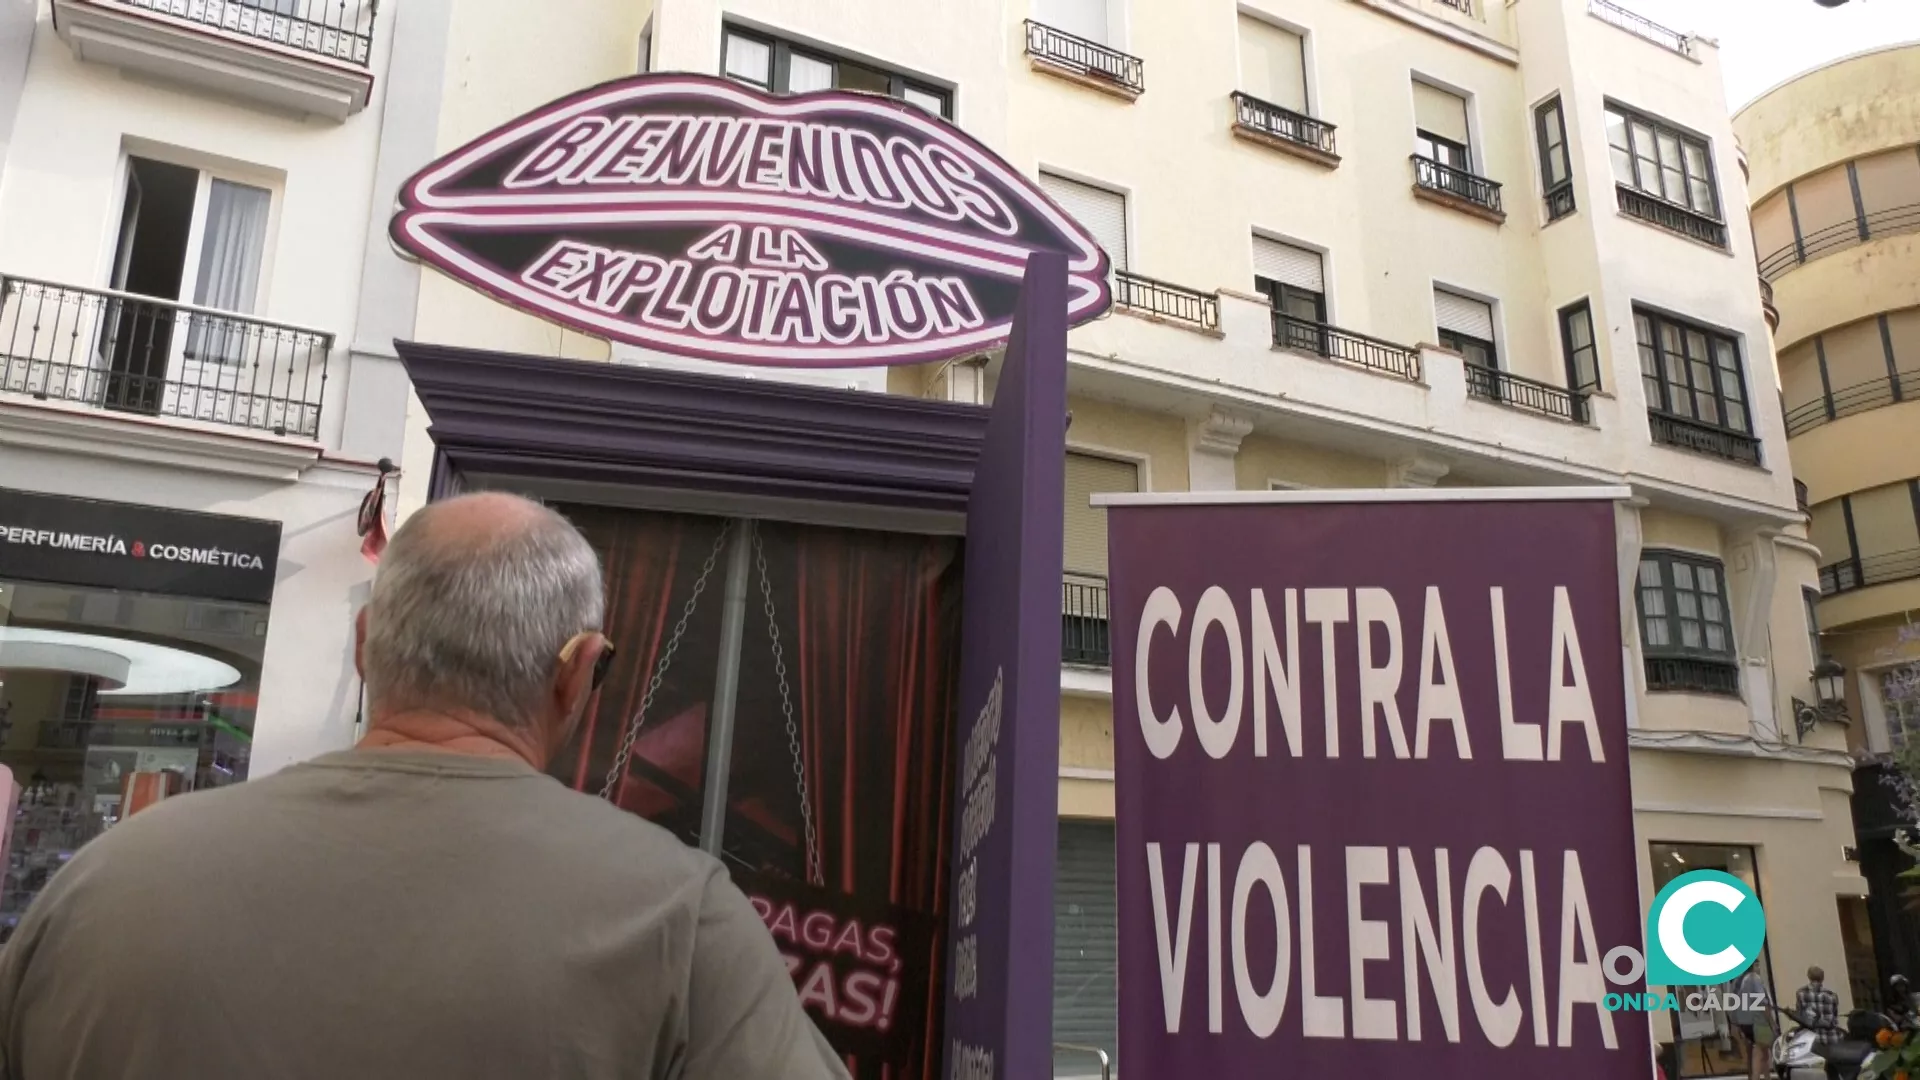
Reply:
x=1829 y=692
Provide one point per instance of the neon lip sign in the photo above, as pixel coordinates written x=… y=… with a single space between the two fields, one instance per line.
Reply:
x=699 y=217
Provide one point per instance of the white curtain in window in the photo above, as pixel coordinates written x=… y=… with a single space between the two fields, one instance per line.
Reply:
x=805 y=74
x=232 y=247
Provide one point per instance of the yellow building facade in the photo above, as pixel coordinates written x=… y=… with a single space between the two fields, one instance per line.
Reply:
x=1835 y=157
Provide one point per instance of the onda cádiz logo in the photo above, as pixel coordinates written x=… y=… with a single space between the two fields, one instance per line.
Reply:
x=1706 y=927
x=696 y=216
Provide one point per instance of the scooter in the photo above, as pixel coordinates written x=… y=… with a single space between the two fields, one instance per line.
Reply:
x=1792 y=1049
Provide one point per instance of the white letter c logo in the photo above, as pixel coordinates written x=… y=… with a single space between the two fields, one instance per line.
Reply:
x=1672 y=928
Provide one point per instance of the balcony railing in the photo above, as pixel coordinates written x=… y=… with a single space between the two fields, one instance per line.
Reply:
x=1800 y=496
x=136 y=354
x=1640 y=26
x=1846 y=234
x=1333 y=343
x=1520 y=392
x=1671 y=217
x=335 y=29
x=1850 y=574
x=1560 y=202
x=1678 y=431
x=1858 y=398
x=1689 y=675
x=1166 y=300
x=1458 y=183
x=1465 y=7
x=1083 y=621
x=1269 y=119
x=1083 y=57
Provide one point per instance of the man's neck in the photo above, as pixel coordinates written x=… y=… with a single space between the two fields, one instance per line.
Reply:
x=452 y=731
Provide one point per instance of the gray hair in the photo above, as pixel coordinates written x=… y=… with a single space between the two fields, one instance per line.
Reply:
x=473 y=616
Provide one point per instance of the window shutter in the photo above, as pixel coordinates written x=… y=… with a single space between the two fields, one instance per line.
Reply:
x=1889 y=181
x=1273 y=64
x=1827 y=528
x=1855 y=356
x=1462 y=315
x=1086 y=937
x=1086 y=525
x=1443 y=114
x=1800 y=380
x=1773 y=231
x=1903 y=327
x=1288 y=265
x=1824 y=205
x=1883 y=521
x=1081 y=18
x=1102 y=212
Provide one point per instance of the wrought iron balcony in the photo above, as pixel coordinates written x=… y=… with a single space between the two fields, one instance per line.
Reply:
x=1088 y=59
x=1671 y=216
x=1465 y=7
x=136 y=354
x=1849 y=233
x=334 y=29
x=1083 y=621
x=1686 y=674
x=1861 y=397
x=1520 y=392
x=1686 y=434
x=1850 y=574
x=1141 y=293
x=1800 y=496
x=1560 y=202
x=1456 y=184
x=1641 y=27
x=1259 y=117
x=1333 y=343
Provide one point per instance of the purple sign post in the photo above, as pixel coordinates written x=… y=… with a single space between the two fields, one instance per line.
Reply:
x=1373 y=806
x=1006 y=795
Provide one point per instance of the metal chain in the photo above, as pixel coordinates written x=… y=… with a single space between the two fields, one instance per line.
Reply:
x=814 y=876
x=639 y=720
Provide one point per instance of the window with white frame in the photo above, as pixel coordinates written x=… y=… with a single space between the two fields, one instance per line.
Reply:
x=1102 y=212
x=1900 y=698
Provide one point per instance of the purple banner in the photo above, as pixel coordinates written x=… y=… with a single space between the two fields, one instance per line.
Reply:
x=1006 y=793
x=697 y=216
x=1373 y=807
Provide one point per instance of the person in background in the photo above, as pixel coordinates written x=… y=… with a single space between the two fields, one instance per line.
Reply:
x=429 y=903
x=1819 y=1011
x=1748 y=989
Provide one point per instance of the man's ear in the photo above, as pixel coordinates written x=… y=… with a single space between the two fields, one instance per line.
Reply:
x=360 y=643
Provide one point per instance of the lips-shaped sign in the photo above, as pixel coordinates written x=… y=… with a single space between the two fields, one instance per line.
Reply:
x=699 y=217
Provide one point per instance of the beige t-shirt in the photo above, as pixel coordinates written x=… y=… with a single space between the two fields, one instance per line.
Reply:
x=382 y=914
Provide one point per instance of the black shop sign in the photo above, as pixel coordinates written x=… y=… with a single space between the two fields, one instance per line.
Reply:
x=55 y=538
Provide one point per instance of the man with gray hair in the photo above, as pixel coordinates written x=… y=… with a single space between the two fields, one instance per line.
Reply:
x=428 y=904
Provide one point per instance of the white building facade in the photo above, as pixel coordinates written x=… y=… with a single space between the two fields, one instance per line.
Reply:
x=197 y=304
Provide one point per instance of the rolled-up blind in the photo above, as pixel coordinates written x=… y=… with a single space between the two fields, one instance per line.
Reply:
x=1103 y=212
x=1800 y=385
x=1081 y=18
x=1086 y=525
x=1462 y=315
x=1272 y=64
x=1288 y=265
x=1441 y=113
